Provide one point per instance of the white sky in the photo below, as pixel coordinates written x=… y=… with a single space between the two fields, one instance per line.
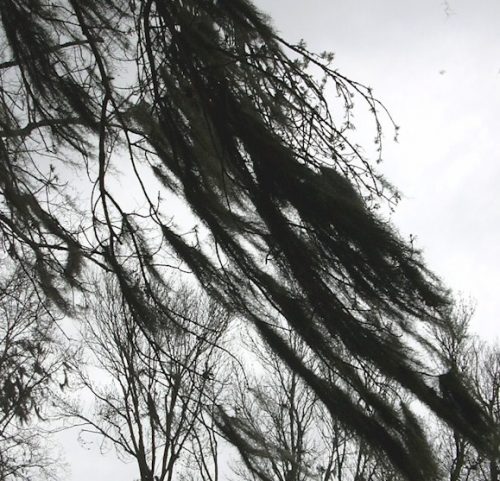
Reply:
x=439 y=75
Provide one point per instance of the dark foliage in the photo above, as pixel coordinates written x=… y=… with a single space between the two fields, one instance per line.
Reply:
x=229 y=118
x=32 y=365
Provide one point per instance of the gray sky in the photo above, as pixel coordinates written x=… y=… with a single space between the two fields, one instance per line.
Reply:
x=436 y=66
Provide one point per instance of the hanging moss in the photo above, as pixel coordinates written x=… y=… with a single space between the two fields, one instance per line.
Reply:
x=229 y=118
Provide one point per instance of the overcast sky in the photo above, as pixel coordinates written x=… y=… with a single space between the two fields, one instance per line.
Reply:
x=436 y=67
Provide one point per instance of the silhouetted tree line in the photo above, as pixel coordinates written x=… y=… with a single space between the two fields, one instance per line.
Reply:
x=112 y=113
x=207 y=396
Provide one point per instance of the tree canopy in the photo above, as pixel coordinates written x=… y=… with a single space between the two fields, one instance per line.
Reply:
x=203 y=101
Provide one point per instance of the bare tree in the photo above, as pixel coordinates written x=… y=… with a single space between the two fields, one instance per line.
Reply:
x=478 y=364
x=486 y=379
x=275 y=412
x=284 y=432
x=157 y=386
x=33 y=363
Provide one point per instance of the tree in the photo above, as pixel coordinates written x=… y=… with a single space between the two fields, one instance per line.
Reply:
x=228 y=116
x=275 y=413
x=287 y=431
x=33 y=364
x=157 y=388
x=479 y=365
x=486 y=379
